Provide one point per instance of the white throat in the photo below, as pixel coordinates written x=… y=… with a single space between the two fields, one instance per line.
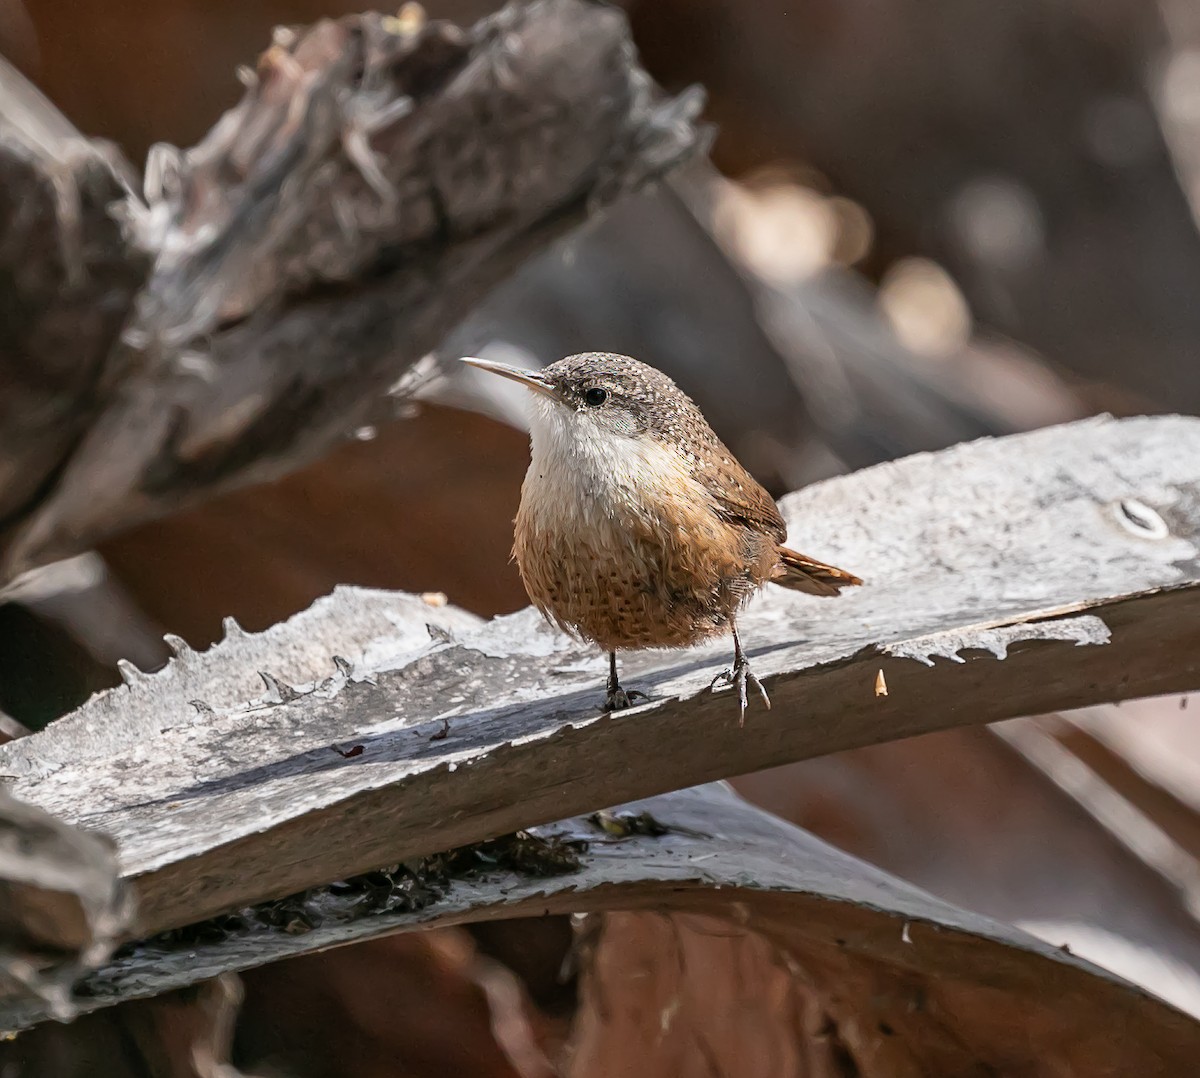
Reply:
x=580 y=468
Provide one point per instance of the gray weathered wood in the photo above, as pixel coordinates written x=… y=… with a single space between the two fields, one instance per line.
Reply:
x=1070 y=554
x=723 y=857
x=377 y=178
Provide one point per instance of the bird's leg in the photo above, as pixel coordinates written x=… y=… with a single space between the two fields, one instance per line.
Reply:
x=739 y=676
x=617 y=697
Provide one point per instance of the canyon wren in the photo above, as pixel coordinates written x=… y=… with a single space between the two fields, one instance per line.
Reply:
x=637 y=527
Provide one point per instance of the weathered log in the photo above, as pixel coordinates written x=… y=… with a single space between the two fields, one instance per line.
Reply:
x=378 y=177
x=1070 y=553
x=890 y=968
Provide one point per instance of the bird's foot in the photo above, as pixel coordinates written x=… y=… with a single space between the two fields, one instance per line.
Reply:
x=740 y=676
x=618 y=699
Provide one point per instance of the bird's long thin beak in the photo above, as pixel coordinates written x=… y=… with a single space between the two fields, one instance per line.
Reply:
x=529 y=379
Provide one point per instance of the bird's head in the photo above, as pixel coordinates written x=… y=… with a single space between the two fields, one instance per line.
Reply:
x=599 y=402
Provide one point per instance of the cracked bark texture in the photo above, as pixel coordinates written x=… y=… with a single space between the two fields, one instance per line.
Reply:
x=378 y=177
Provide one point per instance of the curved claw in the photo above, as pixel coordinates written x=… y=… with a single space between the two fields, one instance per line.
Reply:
x=739 y=677
x=619 y=699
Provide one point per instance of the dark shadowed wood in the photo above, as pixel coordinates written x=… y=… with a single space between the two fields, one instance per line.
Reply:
x=67 y=282
x=690 y=994
x=377 y=178
x=1006 y=577
x=430 y=999
x=184 y=1034
x=1009 y=843
x=62 y=905
x=876 y=953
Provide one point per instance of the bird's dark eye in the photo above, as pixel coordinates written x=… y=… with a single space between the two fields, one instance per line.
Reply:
x=595 y=396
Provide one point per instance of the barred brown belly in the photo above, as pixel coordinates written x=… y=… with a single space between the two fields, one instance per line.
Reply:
x=626 y=590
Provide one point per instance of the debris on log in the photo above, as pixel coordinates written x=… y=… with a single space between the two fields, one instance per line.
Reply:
x=853 y=959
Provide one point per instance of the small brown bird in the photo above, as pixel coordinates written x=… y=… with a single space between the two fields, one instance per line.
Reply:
x=637 y=527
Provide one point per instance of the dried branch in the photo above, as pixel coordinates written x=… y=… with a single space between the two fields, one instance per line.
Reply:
x=377 y=178
x=1070 y=553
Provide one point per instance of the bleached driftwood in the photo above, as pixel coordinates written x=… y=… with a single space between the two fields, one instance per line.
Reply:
x=378 y=177
x=1070 y=554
